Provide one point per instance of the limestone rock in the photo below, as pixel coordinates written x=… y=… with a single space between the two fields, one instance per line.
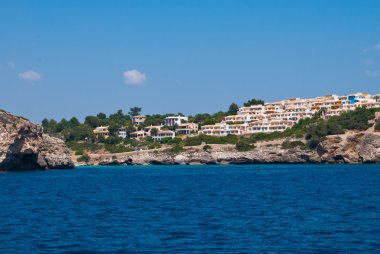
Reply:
x=24 y=146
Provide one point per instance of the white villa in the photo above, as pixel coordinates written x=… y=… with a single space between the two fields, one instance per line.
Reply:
x=101 y=132
x=187 y=128
x=137 y=120
x=164 y=134
x=122 y=132
x=138 y=134
x=150 y=128
x=175 y=120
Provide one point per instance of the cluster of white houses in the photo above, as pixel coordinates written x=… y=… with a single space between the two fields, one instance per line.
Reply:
x=156 y=132
x=270 y=117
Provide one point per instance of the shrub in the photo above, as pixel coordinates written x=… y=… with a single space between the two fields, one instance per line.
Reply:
x=244 y=145
x=79 y=152
x=84 y=158
x=177 y=148
x=293 y=144
x=117 y=148
x=377 y=125
x=207 y=148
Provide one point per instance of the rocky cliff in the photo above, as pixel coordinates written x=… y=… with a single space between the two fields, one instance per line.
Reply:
x=347 y=148
x=24 y=146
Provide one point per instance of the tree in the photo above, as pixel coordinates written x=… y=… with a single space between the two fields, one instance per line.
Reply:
x=101 y=115
x=154 y=132
x=233 y=109
x=135 y=111
x=45 y=123
x=253 y=102
x=74 y=122
x=63 y=124
x=93 y=121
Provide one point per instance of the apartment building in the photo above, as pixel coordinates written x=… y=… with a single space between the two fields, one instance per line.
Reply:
x=278 y=116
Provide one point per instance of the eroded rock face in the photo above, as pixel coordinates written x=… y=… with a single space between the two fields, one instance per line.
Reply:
x=24 y=146
x=194 y=156
x=351 y=148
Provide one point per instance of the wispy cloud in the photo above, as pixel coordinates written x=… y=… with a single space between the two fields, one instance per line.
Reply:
x=30 y=75
x=11 y=65
x=372 y=73
x=374 y=48
x=134 y=77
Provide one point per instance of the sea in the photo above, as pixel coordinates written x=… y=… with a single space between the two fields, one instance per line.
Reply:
x=192 y=209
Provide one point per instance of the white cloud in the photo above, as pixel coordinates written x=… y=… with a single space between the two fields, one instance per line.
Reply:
x=134 y=77
x=30 y=75
x=372 y=73
x=377 y=47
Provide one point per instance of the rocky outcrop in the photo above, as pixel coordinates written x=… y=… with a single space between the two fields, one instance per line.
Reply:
x=351 y=148
x=24 y=146
x=348 y=148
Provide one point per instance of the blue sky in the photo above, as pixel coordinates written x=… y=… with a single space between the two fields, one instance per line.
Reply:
x=77 y=58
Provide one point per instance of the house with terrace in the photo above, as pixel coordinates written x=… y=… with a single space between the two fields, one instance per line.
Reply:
x=175 y=120
x=187 y=128
x=163 y=134
x=137 y=120
x=138 y=134
x=122 y=132
x=101 y=132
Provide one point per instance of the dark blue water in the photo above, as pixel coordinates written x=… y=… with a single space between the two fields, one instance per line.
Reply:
x=192 y=209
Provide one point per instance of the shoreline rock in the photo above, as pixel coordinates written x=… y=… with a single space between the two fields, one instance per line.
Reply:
x=24 y=146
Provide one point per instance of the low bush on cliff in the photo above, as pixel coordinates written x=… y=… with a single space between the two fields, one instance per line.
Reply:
x=177 y=148
x=377 y=125
x=244 y=145
x=117 y=148
x=207 y=148
x=198 y=140
x=84 y=158
x=293 y=144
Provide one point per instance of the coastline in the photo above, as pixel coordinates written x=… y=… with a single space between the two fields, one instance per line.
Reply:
x=349 y=148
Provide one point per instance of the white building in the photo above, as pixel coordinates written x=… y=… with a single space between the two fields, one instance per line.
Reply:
x=163 y=134
x=281 y=115
x=138 y=134
x=137 y=120
x=101 y=132
x=122 y=132
x=187 y=128
x=175 y=120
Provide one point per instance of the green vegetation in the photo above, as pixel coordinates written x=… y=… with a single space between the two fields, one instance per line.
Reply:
x=244 y=145
x=207 y=148
x=253 y=102
x=135 y=111
x=177 y=148
x=294 y=144
x=198 y=140
x=233 y=109
x=377 y=125
x=84 y=158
